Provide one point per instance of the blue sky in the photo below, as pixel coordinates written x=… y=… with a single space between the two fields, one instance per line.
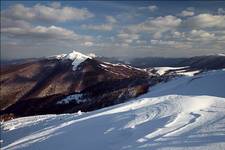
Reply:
x=112 y=28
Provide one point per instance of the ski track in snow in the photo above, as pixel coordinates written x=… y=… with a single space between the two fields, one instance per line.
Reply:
x=185 y=113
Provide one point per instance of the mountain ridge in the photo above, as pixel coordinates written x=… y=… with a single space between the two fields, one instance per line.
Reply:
x=44 y=82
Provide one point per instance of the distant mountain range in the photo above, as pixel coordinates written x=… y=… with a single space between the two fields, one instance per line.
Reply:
x=212 y=61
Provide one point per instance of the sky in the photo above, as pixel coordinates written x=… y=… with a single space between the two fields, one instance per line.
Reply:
x=112 y=28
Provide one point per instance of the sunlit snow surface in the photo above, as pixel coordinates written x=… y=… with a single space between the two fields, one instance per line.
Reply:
x=75 y=56
x=163 y=70
x=185 y=113
x=178 y=70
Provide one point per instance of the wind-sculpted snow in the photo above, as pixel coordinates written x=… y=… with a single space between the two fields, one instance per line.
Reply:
x=171 y=116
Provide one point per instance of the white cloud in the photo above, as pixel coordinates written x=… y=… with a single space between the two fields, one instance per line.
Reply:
x=88 y=44
x=157 y=35
x=41 y=32
x=21 y=23
x=220 y=36
x=127 y=38
x=171 y=44
x=44 y=34
x=177 y=34
x=199 y=37
x=152 y=7
x=166 y=22
x=141 y=42
x=122 y=44
x=55 y=4
x=186 y=13
x=111 y=19
x=157 y=26
x=206 y=21
x=221 y=11
x=39 y=12
x=161 y=42
x=7 y=22
x=108 y=26
x=101 y=27
x=202 y=34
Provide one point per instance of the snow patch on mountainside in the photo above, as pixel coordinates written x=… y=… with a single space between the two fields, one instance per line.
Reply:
x=221 y=54
x=71 y=98
x=184 y=113
x=108 y=64
x=187 y=73
x=60 y=56
x=216 y=54
x=163 y=70
x=178 y=70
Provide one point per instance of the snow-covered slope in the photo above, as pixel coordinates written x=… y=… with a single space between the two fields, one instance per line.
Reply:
x=185 y=113
x=178 y=70
x=163 y=70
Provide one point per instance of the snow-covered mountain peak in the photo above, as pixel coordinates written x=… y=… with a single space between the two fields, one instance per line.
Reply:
x=77 y=58
x=74 y=55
